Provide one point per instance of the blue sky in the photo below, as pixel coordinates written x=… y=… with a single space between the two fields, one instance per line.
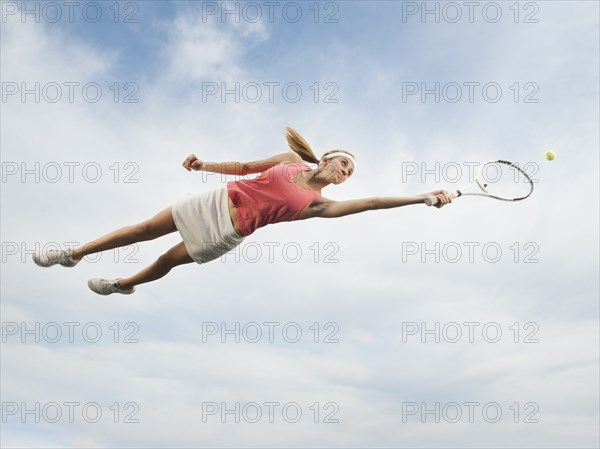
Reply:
x=356 y=276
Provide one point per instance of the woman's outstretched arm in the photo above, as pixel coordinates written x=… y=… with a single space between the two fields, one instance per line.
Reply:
x=326 y=208
x=239 y=168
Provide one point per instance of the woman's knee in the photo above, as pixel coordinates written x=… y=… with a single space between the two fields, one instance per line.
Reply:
x=174 y=257
x=177 y=255
x=165 y=261
x=159 y=225
x=142 y=231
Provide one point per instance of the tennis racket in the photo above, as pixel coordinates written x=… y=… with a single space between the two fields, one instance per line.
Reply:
x=500 y=180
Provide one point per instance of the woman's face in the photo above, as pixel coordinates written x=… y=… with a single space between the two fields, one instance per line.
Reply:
x=337 y=169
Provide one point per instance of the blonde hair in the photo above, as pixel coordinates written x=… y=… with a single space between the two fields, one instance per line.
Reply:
x=301 y=147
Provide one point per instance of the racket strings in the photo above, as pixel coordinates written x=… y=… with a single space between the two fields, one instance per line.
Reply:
x=504 y=180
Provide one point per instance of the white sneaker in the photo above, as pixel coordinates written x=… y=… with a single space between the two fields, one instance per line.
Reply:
x=108 y=286
x=53 y=256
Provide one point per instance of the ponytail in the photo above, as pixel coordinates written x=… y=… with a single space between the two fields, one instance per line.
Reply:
x=302 y=148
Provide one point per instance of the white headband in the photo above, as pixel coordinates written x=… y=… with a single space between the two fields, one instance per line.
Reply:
x=339 y=153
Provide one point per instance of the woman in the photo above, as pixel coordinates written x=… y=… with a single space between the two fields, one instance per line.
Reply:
x=214 y=222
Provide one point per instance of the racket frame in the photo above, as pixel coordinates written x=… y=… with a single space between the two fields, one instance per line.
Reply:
x=431 y=201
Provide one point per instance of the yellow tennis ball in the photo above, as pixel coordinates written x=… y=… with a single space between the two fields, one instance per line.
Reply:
x=549 y=155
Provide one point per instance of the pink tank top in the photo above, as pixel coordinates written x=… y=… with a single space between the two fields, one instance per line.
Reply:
x=271 y=197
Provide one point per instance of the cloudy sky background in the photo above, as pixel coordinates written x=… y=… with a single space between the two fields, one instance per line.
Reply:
x=362 y=280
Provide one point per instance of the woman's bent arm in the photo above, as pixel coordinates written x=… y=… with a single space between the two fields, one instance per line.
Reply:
x=239 y=168
x=226 y=168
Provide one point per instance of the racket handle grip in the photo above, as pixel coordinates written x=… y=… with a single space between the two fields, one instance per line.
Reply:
x=433 y=200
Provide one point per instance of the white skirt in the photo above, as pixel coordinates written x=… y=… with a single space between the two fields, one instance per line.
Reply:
x=204 y=222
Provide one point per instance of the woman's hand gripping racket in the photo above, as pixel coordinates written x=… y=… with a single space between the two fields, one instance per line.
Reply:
x=500 y=180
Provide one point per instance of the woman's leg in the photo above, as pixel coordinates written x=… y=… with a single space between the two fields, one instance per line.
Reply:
x=157 y=226
x=177 y=255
